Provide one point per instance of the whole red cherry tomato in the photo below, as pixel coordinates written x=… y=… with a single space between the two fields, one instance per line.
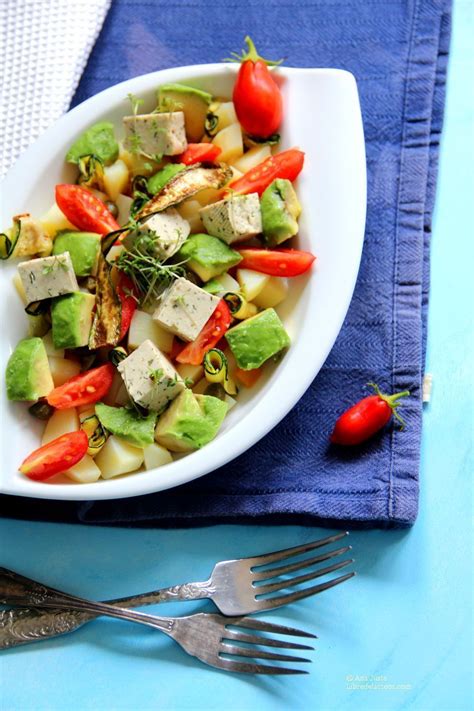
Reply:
x=257 y=97
x=367 y=417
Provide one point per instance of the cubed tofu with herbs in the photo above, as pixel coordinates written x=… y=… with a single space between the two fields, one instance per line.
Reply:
x=159 y=133
x=150 y=378
x=169 y=230
x=235 y=219
x=48 y=277
x=184 y=309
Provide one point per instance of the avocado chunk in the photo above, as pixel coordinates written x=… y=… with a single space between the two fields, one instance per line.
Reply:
x=127 y=424
x=280 y=210
x=208 y=256
x=98 y=140
x=257 y=339
x=194 y=103
x=71 y=317
x=213 y=286
x=84 y=248
x=28 y=376
x=159 y=180
x=190 y=422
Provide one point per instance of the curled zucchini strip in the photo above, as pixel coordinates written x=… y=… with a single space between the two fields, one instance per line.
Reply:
x=216 y=370
x=117 y=355
x=96 y=434
x=91 y=172
x=9 y=239
x=239 y=307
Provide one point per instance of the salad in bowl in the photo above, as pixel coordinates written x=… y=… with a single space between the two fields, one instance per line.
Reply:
x=152 y=285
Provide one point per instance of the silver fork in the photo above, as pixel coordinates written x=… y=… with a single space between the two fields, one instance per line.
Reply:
x=212 y=638
x=231 y=587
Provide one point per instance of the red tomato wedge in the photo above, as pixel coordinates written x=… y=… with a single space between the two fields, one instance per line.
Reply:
x=85 y=210
x=128 y=302
x=212 y=332
x=83 y=389
x=287 y=164
x=199 y=152
x=57 y=456
x=276 y=262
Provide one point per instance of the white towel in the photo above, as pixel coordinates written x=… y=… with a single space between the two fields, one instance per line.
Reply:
x=45 y=45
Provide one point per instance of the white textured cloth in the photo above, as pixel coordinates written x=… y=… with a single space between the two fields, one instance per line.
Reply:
x=44 y=48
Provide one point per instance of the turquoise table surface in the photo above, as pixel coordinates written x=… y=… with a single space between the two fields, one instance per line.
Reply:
x=397 y=636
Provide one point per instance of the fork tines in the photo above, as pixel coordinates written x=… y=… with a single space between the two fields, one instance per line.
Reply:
x=240 y=662
x=262 y=575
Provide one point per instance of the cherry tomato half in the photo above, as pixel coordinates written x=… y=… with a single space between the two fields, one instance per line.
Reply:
x=83 y=389
x=57 y=456
x=85 y=210
x=287 y=164
x=276 y=262
x=211 y=333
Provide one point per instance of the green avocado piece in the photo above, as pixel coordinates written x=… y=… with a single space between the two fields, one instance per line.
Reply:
x=193 y=102
x=208 y=256
x=28 y=376
x=190 y=422
x=127 y=424
x=38 y=325
x=159 y=180
x=257 y=339
x=213 y=286
x=84 y=248
x=71 y=317
x=280 y=210
x=98 y=140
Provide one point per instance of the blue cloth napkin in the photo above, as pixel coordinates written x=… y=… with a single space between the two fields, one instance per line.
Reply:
x=397 y=50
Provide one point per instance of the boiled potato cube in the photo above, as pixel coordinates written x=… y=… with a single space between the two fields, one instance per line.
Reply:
x=229 y=283
x=230 y=402
x=207 y=196
x=62 y=369
x=192 y=372
x=55 y=220
x=273 y=293
x=85 y=471
x=88 y=411
x=118 y=457
x=189 y=210
x=123 y=202
x=143 y=328
x=252 y=158
x=114 y=252
x=122 y=398
x=251 y=282
x=18 y=284
x=61 y=422
x=155 y=456
x=49 y=346
x=116 y=178
x=230 y=142
x=200 y=387
x=226 y=115
x=111 y=396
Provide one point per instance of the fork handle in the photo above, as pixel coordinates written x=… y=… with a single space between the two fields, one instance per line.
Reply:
x=26 y=625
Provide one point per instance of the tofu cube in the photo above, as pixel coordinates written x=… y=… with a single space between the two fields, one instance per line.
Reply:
x=235 y=219
x=150 y=378
x=169 y=230
x=48 y=277
x=184 y=309
x=159 y=133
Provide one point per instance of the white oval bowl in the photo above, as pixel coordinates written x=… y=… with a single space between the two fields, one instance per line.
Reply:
x=322 y=117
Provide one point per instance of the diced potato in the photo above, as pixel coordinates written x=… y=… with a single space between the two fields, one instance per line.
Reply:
x=97 y=193
x=143 y=328
x=123 y=202
x=88 y=411
x=55 y=220
x=226 y=115
x=230 y=402
x=208 y=196
x=62 y=369
x=155 y=456
x=84 y=472
x=229 y=283
x=125 y=155
x=118 y=457
x=114 y=252
x=273 y=293
x=189 y=210
x=251 y=282
x=230 y=142
x=61 y=422
x=110 y=398
x=200 y=387
x=253 y=157
x=236 y=174
x=137 y=163
x=192 y=372
x=49 y=346
x=116 y=178
x=18 y=284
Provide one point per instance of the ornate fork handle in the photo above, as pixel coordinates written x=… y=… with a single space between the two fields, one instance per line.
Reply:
x=21 y=626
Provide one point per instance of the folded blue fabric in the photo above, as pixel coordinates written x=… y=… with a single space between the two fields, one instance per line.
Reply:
x=397 y=50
